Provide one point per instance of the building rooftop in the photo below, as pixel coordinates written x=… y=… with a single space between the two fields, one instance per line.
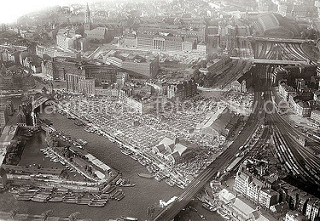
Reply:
x=243 y=207
x=287 y=88
x=226 y=195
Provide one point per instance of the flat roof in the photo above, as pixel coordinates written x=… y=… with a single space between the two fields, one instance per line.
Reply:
x=243 y=207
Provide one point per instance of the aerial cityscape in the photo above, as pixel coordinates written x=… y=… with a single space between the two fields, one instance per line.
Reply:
x=160 y=110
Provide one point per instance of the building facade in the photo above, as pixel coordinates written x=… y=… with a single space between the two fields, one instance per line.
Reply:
x=87 y=87
x=256 y=190
x=180 y=90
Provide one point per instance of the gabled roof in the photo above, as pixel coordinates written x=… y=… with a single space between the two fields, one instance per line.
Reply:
x=222 y=121
x=171 y=147
x=180 y=148
x=161 y=148
x=166 y=141
x=97 y=31
x=176 y=156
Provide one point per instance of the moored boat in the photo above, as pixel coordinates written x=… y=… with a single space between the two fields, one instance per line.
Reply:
x=128 y=185
x=145 y=175
x=96 y=204
x=120 y=197
x=55 y=199
x=23 y=198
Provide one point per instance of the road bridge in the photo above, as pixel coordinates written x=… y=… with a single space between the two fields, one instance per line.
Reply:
x=277 y=40
x=271 y=61
x=37 y=102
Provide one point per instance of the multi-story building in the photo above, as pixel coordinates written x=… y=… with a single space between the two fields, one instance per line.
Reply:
x=110 y=93
x=43 y=50
x=3 y=118
x=166 y=42
x=255 y=189
x=65 y=41
x=202 y=47
x=268 y=197
x=69 y=40
x=9 y=107
x=102 y=73
x=87 y=87
x=300 y=84
x=48 y=68
x=191 y=28
x=285 y=91
x=9 y=54
x=315 y=115
x=138 y=105
x=295 y=216
x=139 y=65
x=316 y=97
x=53 y=52
x=122 y=77
x=180 y=89
x=73 y=82
x=59 y=67
x=303 y=109
x=297 y=11
x=33 y=63
x=313 y=209
x=144 y=67
x=130 y=41
x=21 y=117
x=97 y=33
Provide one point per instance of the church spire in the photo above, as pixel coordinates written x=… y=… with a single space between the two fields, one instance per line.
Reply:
x=88 y=16
x=87 y=21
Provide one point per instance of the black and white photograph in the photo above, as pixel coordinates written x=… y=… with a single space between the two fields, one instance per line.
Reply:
x=160 y=110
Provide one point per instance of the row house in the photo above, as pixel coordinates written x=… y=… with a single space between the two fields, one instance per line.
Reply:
x=256 y=190
x=313 y=209
x=285 y=91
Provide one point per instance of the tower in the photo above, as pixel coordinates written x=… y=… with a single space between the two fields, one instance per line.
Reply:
x=87 y=20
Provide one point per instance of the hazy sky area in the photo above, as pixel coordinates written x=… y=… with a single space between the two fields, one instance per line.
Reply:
x=11 y=10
